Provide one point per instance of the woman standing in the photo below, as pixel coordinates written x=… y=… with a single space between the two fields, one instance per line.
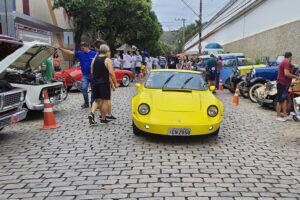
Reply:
x=103 y=79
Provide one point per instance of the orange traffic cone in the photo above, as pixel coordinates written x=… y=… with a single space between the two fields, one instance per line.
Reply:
x=235 y=98
x=221 y=88
x=49 y=118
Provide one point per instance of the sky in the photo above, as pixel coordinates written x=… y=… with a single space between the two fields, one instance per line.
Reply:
x=169 y=10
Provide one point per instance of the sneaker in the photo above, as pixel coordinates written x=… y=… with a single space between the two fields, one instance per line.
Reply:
x=288 y=118
x=92 y=119
x=85 y=106
x=104 y=121
x=281 y=119
x=111 y=117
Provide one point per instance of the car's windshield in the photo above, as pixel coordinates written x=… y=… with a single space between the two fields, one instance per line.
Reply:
x=176 y=80
x=229 y=62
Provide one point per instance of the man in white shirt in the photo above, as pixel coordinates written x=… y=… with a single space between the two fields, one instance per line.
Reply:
x=126 y=61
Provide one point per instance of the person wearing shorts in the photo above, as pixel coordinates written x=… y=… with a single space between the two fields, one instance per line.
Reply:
x=103 y=76
x=284 y=81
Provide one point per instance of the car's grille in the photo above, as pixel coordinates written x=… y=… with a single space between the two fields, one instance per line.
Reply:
x=52 y=92
x=11 y=99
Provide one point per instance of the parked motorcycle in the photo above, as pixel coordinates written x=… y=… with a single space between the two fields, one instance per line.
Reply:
x=266 y=95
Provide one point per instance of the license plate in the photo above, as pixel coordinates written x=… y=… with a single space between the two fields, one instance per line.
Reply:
x=179 y=132
x=14 y=119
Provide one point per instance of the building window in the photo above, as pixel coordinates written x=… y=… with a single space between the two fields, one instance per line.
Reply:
x=26 y=9
x=14 y=5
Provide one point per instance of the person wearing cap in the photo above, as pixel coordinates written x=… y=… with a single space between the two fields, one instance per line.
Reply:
x=85 y=56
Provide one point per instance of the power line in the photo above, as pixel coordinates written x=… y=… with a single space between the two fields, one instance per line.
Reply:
x=190 y=7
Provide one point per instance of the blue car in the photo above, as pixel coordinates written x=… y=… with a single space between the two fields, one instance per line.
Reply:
x=229 y=64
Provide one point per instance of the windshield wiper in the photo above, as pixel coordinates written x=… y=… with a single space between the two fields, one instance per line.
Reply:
x=167 y=81
x=186 y=82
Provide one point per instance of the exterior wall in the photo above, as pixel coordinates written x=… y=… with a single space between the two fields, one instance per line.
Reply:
x=247 y=19
x=270 y=43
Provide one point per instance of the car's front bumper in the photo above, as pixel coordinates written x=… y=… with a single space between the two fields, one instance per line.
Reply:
x=13 y=118
x=163 y=129
x=54 y=101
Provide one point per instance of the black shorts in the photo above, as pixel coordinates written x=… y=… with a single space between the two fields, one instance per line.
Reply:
x=282 y=92
x=137 y=70
x=101 y=91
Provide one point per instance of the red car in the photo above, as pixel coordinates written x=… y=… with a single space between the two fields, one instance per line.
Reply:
x=72 y=77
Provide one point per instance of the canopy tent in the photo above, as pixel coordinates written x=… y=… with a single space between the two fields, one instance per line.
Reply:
x=125 y=47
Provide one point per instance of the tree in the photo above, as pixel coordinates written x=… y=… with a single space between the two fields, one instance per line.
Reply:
x=132 y=22
x=118 y=22
x=83 y=14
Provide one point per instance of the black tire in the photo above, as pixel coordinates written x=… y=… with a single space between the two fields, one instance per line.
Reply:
x=69 y=88
x=230 y=85
x=252 y=91
x=243 y=94
x=136 y=131
x=125 y=80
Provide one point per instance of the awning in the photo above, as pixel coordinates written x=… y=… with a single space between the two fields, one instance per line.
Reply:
x=35 y=23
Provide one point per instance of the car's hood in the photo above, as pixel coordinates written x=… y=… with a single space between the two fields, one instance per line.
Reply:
x=176 y=101
x=30 y=56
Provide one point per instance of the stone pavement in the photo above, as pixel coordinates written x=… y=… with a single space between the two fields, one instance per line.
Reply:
x=254 y=157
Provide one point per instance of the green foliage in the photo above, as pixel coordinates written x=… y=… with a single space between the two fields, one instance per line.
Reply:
x=118 y=22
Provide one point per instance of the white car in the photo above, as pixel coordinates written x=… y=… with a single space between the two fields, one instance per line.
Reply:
x=21 y=69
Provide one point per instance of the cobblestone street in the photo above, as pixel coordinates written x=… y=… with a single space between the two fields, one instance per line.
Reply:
x=254 y=157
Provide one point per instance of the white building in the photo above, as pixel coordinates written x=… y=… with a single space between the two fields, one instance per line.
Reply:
x=258 y=28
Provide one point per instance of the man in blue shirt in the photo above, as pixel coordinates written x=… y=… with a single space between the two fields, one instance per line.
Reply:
x=85 y=56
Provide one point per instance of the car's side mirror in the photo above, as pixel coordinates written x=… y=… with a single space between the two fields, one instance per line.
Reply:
x=138 y=85
x=212 y=88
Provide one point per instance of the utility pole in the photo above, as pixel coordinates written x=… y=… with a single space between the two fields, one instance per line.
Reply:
x=200 y=27
x=183 y=31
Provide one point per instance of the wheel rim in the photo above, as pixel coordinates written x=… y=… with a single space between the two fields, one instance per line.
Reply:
x=253 y=94
x=64 y=94
x=78 y=85
x=125 y=80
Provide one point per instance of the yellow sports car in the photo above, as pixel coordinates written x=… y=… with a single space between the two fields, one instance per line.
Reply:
x=176 y=103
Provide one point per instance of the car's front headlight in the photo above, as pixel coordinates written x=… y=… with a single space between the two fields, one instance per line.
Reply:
x=212 y=111
x=144 y=109
x=22 y=96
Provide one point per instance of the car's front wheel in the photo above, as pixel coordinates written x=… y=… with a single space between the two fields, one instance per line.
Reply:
x=252 y=92
x=125 y=80
x=137 y=131
x=243 y=92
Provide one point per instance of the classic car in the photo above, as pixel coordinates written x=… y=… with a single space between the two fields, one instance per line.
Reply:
x=266 y=95
x=176 y=103
x=71 y=77
x=12 y=98
x=233 y=70
x=255 y=79
x=20 y=69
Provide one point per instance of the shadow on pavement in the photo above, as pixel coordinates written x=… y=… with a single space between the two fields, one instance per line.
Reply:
x=182 y=140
